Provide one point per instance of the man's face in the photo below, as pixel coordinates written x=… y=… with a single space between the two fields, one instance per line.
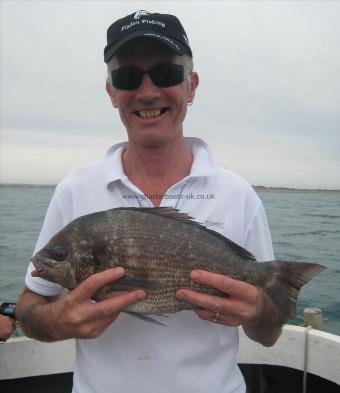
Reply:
x=152 y=115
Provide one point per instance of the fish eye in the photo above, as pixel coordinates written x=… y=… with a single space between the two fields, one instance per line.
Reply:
x=59 y=253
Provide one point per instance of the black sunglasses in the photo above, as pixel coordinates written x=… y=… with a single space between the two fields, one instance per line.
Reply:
x=162 y=75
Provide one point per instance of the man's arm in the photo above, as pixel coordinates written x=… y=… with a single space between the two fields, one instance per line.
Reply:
x=246 y=305
x=267 y=327
x=74 y=314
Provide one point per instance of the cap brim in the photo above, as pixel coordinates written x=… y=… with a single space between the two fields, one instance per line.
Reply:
x=178 y=48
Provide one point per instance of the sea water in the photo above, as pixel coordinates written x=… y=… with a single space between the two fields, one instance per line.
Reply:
x=305 y=226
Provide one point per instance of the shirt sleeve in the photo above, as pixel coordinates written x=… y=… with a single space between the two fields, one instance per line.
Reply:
x=258 y=238
x=54 y=221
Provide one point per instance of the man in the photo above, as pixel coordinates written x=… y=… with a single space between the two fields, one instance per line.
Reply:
x=151 y=82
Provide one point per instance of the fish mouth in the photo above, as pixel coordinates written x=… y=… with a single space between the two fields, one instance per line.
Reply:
x=42 y=264
x=54 y=271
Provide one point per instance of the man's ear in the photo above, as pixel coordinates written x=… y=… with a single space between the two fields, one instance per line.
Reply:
x=111 y=94
x=192 y=88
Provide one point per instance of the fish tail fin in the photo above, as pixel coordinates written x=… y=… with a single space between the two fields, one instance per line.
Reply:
x=287 y=280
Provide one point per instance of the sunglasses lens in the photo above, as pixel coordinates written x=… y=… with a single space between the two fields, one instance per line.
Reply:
x=163 y=75
x=167 y=75
x=127 y=78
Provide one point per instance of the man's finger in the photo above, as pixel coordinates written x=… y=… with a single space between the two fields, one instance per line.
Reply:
x=223 y=283
x=92 y=284
x=204 y=301
x=116 y=304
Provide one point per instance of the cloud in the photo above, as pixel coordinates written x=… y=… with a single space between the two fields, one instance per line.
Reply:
x=47 y=157
x=269 y=92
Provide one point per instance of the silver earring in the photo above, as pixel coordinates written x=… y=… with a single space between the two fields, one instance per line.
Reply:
x=190 y=103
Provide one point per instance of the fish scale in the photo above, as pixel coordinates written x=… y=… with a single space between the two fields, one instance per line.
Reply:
x=158 y=248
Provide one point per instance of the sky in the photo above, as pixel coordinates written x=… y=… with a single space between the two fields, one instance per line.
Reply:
x=268 y=102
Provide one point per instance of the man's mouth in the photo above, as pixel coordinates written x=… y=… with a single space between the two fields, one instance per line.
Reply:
x=151 y=114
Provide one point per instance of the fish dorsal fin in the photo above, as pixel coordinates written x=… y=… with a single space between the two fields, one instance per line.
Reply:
x=242 y=252
x=175 y=214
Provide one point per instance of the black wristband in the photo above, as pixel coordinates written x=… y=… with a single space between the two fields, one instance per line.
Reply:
x=8 y=309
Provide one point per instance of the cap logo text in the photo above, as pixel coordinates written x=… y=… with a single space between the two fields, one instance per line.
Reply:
x=142 y=21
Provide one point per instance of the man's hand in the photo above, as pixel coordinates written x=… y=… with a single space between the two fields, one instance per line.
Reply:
x=7 y=327
x=245 y=305
x=74 y=314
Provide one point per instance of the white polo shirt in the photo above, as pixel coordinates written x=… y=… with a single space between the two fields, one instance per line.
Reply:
x=189 y=354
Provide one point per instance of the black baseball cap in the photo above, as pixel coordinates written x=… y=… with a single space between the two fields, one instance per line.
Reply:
x=163 y=27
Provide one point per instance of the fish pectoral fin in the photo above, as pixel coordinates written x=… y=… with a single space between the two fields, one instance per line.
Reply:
x=143 y=317
x=129 y=283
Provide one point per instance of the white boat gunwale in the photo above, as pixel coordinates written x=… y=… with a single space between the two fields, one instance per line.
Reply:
x=22 y=357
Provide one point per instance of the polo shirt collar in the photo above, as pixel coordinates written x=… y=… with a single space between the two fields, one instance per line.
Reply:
x=203 y=164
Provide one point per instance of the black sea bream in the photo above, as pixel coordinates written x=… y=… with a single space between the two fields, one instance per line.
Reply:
x=158 y=248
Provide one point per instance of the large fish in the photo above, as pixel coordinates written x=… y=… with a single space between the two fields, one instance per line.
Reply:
x=158 y=248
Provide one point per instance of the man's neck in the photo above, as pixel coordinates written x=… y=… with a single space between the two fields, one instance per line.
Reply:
x=155 y=169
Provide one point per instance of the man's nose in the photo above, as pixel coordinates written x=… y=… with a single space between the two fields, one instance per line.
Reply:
x=147 y=90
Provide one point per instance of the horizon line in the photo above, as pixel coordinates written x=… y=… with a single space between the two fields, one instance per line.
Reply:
x=257 y=187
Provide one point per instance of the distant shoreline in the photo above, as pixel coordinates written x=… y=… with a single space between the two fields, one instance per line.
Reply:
x=256 y=188
x=27 y=185
x=289 y=189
